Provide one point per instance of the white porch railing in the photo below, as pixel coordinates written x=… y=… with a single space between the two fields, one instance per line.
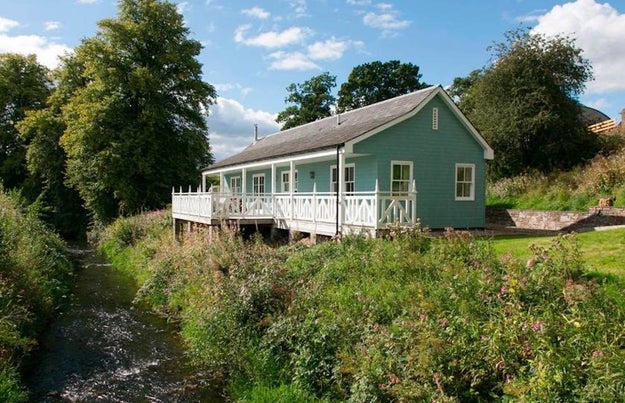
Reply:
x=363 y=209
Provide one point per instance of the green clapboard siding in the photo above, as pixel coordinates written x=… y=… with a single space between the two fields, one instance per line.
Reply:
x=434 y=154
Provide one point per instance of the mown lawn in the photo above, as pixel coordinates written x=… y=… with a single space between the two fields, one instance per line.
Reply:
x=603 y=251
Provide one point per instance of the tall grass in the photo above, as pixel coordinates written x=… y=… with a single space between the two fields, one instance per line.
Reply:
x=412 y=319
x=35 y=278
x=578 y=189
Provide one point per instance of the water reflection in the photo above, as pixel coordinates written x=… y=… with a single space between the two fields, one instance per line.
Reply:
x=104 y=348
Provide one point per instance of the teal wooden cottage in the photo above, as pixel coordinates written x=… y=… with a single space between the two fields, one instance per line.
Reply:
x=407 y=159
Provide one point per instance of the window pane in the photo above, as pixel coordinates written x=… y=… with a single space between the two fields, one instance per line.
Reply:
x=406 y=172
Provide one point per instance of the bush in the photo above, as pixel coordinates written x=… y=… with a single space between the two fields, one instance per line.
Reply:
x=35 y=278
x=415 y=318
x=578 y=189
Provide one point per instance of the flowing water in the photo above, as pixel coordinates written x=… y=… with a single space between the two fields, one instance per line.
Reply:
x=104 y=348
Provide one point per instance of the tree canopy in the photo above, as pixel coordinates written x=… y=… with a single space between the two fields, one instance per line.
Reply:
x=373 y=82
x=310 y=101
x=135 y=119
x=524 y=103
x=24 y=85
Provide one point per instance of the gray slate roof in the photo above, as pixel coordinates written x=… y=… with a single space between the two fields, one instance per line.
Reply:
x=325 y=133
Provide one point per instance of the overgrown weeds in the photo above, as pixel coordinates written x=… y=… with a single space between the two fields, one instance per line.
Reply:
x=35 y=278
x=409 y=319
x=579 y=189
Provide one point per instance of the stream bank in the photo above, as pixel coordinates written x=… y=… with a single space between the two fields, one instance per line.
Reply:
x=102 y=347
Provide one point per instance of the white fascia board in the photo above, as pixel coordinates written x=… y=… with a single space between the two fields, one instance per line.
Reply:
x=269 y=162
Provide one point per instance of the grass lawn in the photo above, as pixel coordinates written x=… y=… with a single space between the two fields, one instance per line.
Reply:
x=603 y=251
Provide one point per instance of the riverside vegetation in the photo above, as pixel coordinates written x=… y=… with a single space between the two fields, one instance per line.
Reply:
x=577 y=189
x=35 y=277
x=413 y=318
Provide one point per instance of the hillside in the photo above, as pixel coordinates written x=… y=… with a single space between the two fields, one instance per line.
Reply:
x=579 y=189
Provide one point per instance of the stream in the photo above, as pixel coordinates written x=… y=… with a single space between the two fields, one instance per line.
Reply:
x=104 y=348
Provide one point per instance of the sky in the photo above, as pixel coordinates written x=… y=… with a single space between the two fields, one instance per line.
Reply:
x=253 y=50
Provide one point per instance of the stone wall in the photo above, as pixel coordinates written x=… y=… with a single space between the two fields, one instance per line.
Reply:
x=555 y=220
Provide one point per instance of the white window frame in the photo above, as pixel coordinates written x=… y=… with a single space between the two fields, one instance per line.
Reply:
x=234 y=189
x=471 y=183
x=350 y=186
x=257 y=181
x=435 y=118
x=285 y=184
x=295 y=181
x=401 y=180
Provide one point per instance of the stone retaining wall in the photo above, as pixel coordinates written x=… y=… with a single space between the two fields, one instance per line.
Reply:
x=555 y=220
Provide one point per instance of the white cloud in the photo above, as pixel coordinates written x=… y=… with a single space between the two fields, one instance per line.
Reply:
x=599 y=30
x=271 y=39
x=227 y=87
x=52 y=25
x=299 y=8
x=47 y=51
x=385 y=18
x=331 y=49
x=256 y=12
x=292 y=61
x=6 y=24
x=231 y=126
x=182 y=7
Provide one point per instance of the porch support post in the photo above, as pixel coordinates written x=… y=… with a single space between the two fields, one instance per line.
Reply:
x=222 y=184
x=244 y=181
x=376 y=205
x=273 y=189
x=291 y=186
x=203 y=183
x=413 y=211
x=341 y=186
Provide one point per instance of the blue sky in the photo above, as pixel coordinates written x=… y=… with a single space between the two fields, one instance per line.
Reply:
x=254 y=49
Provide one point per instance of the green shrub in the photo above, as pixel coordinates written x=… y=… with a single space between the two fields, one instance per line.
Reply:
x=415 y=318
x=578 y=189
x=35 y=278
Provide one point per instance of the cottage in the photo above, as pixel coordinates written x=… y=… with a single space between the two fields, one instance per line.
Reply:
x=407 y=159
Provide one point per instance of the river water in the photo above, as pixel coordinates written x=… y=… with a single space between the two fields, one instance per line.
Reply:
x=104 y=348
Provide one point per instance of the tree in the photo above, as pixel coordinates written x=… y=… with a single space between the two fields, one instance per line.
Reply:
x=41 y=129
x=24 y=85
x=374 y=82
x=524 y=104
x=137 y=125
x=312 y=101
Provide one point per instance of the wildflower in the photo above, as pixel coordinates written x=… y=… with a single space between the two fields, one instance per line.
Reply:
x=503 y=292
x=597 y=354
x=538 y=326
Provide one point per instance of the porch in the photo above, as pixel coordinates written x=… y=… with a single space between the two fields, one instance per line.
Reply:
x=319 y=213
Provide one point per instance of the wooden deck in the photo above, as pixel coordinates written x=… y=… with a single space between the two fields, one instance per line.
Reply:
x=314 y=213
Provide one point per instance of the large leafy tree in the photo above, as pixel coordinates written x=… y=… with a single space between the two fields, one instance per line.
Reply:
x=374 y=82
x=525 y=104
x=41 y=130
x=137 y=126
x=310 y=101
x=24 y=85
